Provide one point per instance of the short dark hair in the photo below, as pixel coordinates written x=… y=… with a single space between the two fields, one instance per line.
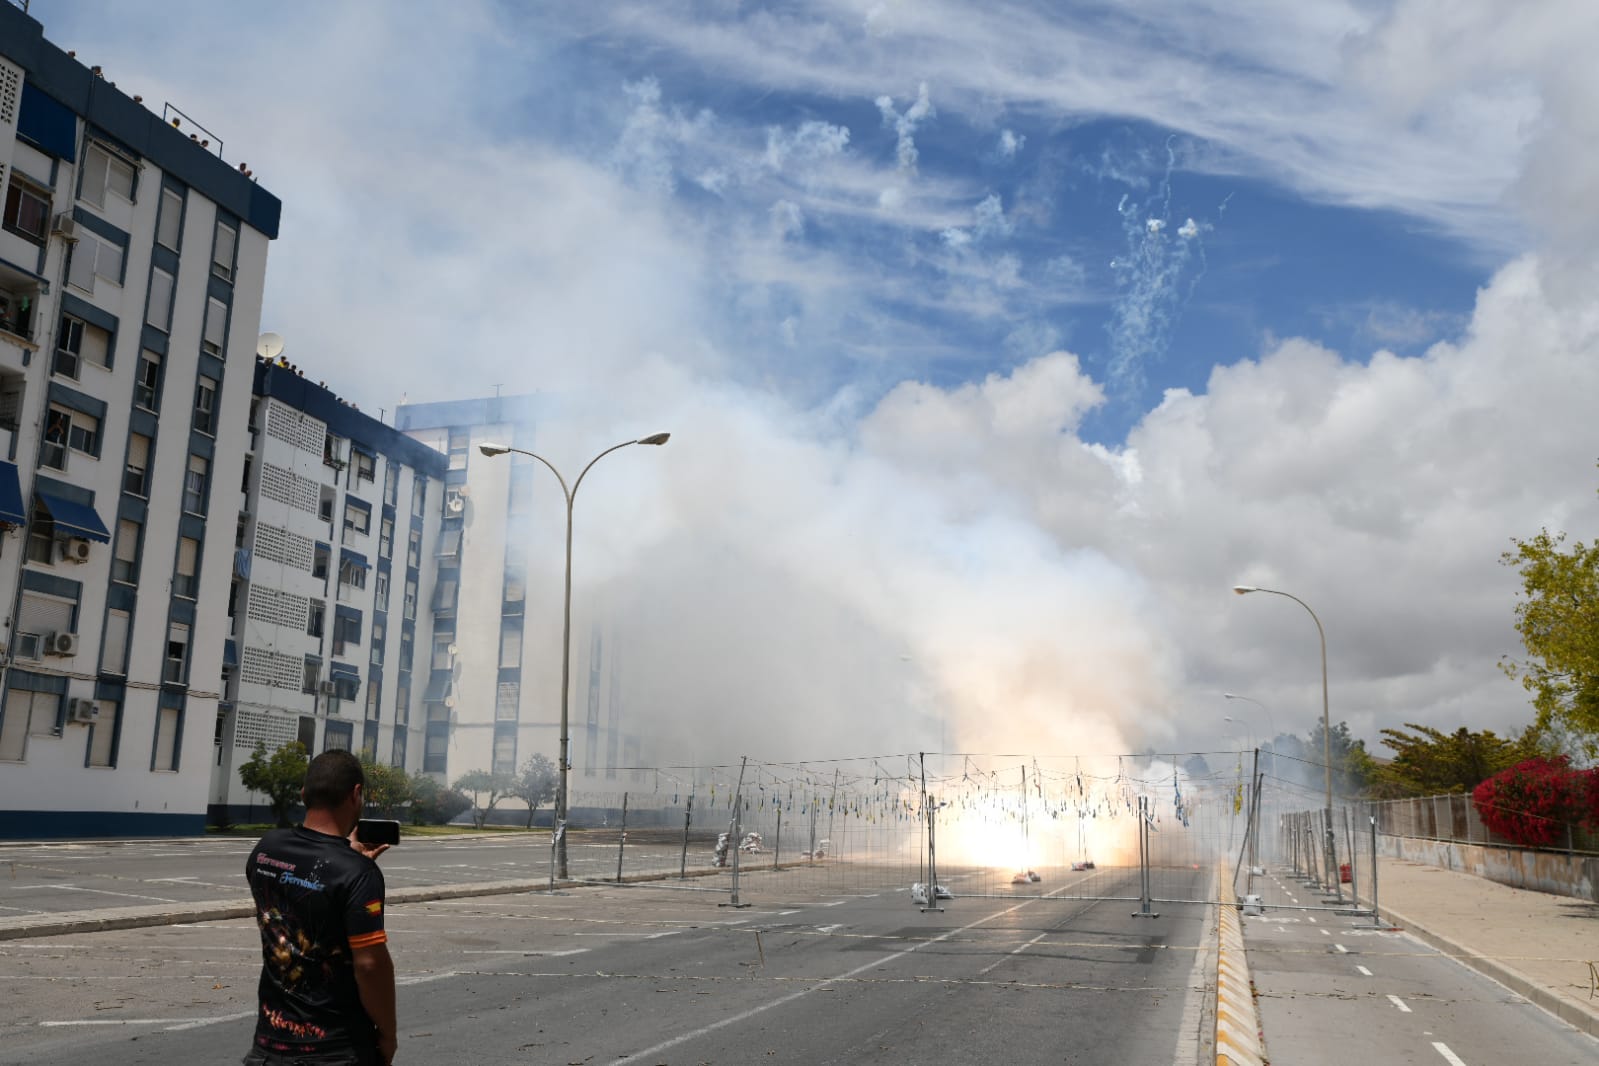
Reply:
x=330 y=779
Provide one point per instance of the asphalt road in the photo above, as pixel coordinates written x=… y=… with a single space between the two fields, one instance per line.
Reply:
x=55 y=877
x=1337 y=989
x=662 y=975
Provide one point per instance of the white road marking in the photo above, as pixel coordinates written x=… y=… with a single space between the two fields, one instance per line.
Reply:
x=829 y=928
x=108 y=892
x=1449 y=1056
x=1363 y=970
x=1340 y=949
x=1308 y=918
x=784 y=914
x=986 y=969
x=515 y=951
x=1324 y=932
x=201 y=1023
x=1396 y=1001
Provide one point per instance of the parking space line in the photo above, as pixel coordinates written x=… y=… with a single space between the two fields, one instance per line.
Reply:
x=1396 y=1001
x=1449 y=1056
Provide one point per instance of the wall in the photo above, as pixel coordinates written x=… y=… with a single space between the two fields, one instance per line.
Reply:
x=1540 y=871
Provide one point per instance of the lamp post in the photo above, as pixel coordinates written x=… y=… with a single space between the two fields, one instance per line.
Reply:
x=1270 y=721
x=492 y=449
x=1271 y=724
x=1326 y=733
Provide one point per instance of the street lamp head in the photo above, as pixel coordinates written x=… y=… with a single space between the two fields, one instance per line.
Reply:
x=1243 y=589
x=654 y=438
x=491 y=448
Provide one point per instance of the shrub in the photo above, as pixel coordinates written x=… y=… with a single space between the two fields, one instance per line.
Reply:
x=1534 y=801
x=433 y=804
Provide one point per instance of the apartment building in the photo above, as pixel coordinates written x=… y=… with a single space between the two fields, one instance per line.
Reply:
x=493 y=692
x=132 y=260
x=337 y=531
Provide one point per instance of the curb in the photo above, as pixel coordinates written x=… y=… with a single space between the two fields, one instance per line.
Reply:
x=1238 y=1035
x=1571 y=1011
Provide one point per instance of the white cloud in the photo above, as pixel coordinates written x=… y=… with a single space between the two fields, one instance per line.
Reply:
x=904 y=125
x=1010 y=143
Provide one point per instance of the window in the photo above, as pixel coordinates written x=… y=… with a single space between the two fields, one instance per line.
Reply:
x=460 y=444
x=222 y=249
x=357 y=518
x=234 y=588
x=413 y=551
x=443 y=651
x=386 y=537
x=205 y=405
x=168 y=723
x=515 y=588
x=317 y=613
x=377 y=642
x=397 y=756
x=103 y=734
x=436 y=748
x=169 y=226
x=85 y=434
x=194 y=484
x=57 y=431
x=158 y=309
x=136 y=476
x=216 y=326
x=94 y=259
x=383 y=589
x=351 y=575
x=511 y=645
x=365 y=467
x=41 y=537
x=391 y=483
x=16 y=317
x=505 y=702
x=177 y=664
x=419 y=497
x=319 y=562
x=114 y=652
x=450 y=542
x=147 y=383
x=36 y=714
x=313 y=676
x=78 y=342
x=125 y=559
x=410 y=598
x=504 y=749
x=407 y=645
x=373 y=707
x=346 y=632
x=186 y=577
x=324 y=504
x=105 y=171
x=27 y=211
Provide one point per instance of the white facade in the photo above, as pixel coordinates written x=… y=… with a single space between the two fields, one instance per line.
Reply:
x=494 y=700
x=132 y=262
x=336 y=534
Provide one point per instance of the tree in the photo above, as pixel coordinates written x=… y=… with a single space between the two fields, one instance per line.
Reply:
x=535 y=784
x=483 y=785
x=433 y=804
x=279 y=775
x=1559 y=626
x=1352 y=764
x=1428 y=761
x=388 y=788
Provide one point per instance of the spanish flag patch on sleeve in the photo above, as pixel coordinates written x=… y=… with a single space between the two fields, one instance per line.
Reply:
x=374 y=907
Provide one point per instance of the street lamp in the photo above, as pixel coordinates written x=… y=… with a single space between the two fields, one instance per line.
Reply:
x=1270 y=721
x=1326 y=732
x=490 y=448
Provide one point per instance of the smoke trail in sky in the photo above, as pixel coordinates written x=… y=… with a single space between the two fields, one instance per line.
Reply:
x=1151 y=276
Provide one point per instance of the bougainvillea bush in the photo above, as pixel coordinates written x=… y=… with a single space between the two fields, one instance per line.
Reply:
x=1532 y=802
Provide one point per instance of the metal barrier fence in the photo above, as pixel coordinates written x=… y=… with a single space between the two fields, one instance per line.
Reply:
x=1454 y=817
x=1138 y=831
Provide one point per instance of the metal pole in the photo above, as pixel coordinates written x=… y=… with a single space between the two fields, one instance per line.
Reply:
x=688 y=816
x=830 y=801
x=777 y=846
x=932 y=850
x=733 y=831
x=621 y=844
x=1376 y=918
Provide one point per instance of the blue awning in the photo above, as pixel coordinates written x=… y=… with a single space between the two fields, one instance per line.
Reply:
x=337 y=669
x=11 y=509
x=74 y=519
x=346 y=556
x=230 y=652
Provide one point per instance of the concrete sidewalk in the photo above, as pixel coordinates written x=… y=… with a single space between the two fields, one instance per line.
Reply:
x=1538 y=945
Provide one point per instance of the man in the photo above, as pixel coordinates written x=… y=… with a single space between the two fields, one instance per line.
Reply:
x=327 y=982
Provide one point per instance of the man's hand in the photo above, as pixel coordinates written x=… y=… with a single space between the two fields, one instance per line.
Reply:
x=386 y=1047
x=371 y=851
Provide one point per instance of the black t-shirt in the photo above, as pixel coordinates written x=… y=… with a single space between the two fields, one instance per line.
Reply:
x=316 y=899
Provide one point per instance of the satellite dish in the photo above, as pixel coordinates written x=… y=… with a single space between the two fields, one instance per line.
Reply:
x=453 y=650
x=269 y=345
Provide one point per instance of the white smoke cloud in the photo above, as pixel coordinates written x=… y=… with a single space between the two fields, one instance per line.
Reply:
x=904 y=125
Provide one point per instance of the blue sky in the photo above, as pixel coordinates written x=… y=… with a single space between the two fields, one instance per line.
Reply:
x=1003 y=337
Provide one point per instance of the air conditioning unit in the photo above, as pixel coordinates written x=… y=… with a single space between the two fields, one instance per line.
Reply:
x=326 y=688
x=62 y=644
x=75 y=550
x=65 y=227
x=455 y=501
x=83 y=710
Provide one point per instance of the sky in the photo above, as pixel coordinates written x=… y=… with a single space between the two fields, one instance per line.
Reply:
x=998 y=340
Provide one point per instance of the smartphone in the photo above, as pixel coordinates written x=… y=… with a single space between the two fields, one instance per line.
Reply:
x=378 y=831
